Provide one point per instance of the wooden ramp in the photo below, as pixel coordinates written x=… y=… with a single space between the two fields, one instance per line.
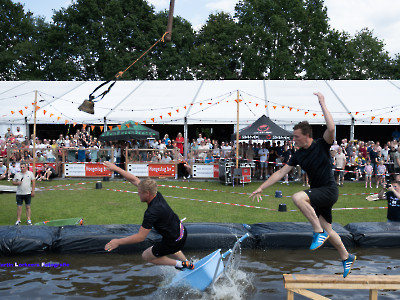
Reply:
x=300 y=283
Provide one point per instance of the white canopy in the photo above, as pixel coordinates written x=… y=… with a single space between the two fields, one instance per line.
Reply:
x=208 y=102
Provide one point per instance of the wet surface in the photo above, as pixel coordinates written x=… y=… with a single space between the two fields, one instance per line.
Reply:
x=114 y=276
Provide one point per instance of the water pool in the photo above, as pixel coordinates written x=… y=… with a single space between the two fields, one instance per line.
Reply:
x=115 y=276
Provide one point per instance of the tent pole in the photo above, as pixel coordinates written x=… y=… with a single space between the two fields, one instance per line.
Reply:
x=237 y=131
x=34 y=139
x=28 y=134
x=352 y=130
x=105 y=124
x=185 y=138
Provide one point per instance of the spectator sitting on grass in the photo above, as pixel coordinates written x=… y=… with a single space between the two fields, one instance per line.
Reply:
x=3 y=170
x=49 y=172
x=12 y=170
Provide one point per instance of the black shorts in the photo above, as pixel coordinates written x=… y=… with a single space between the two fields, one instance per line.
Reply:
x=22 y=198
x=168 y=247
x=322 y=199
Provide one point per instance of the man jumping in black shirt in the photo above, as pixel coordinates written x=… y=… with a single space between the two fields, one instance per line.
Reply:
x=315 y=203
x=160 y=216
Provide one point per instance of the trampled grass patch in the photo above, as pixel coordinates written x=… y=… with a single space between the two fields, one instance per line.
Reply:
x=118 y=203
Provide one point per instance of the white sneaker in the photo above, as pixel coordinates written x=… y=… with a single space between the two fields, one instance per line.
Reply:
x=17 y=223
x=29 y=222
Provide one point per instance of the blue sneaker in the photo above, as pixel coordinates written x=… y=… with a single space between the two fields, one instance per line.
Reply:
x=319 y=239
x=348 y=264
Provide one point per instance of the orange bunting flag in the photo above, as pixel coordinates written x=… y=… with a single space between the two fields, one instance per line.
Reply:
x=169 y=114
x=119 y=127
x=265 y=106
x=389 y=120
x=380 y=120
x=136 y=123
x=184 y=107
x=110 y=127
x=66 y=122
x=51 y=115
x=306 y=112
x=12 y=112
x=357 y=113
x=37 y=108
x=152 y=119
x=84 y=126
x=274 y=106
x=92 y=127
x=101 y=128
x=21 y=112
x=298 y=110
x=44 y=111
x=290 y=108
x=177 y=110
x=314 y=114
x=161 y=117
x=58 y=118
x=128 y=125
x=283 y=106
x=191 y=104
x=256 y=104
x=26 y=107
x=398 y=119
x=372 y=118
x=144 y=121
x=202 y=103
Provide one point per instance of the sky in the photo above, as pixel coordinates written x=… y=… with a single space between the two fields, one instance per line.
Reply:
x=382 y=17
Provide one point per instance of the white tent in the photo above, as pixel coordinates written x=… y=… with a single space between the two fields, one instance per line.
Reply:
x=207 y=102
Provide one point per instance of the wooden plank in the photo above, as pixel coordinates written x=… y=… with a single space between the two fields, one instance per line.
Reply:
x=352 y=279
x=290 y=295
x=373 y=295
x=310 y=294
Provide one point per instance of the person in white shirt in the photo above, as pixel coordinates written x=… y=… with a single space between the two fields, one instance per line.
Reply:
x=166 y=158
x=3 y=170
x=25 y=182
x=340 y=164
x=264 y=155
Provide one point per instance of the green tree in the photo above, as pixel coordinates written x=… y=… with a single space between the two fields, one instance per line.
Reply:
x=283 y=39
x=19 y=51
x=216 y=51
x=369 y=59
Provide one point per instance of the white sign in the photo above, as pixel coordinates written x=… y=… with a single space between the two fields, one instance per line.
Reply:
x=73 y=170
x=140 y=170
x=203 y=171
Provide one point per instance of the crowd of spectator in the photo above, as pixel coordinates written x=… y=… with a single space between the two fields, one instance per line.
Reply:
x=352 y=160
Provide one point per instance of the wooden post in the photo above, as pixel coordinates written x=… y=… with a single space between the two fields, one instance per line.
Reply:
x=237 y=131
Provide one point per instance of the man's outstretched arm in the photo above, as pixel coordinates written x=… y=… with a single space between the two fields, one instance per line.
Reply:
x=329 y=134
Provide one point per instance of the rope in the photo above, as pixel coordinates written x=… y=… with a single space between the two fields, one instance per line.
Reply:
x=120 y=73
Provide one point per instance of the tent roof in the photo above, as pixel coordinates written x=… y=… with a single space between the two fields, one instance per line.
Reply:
x=263 y=129
x=170 y=102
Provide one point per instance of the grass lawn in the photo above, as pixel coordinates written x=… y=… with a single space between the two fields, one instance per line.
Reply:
x=61 y=199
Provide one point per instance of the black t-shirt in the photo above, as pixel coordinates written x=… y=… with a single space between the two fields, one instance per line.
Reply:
x=286 y=155
x=316 y=161
x=393 y=213
x=160 y=216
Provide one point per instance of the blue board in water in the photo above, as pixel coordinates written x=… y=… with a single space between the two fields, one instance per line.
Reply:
x=203 y=273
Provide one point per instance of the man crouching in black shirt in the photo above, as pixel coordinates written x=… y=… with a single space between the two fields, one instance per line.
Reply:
x=160 y=216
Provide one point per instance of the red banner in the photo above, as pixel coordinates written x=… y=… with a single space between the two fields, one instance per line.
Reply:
x=158 y=170
x=96 y=170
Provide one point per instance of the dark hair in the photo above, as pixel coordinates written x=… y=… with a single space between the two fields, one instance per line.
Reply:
x=305 y=128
